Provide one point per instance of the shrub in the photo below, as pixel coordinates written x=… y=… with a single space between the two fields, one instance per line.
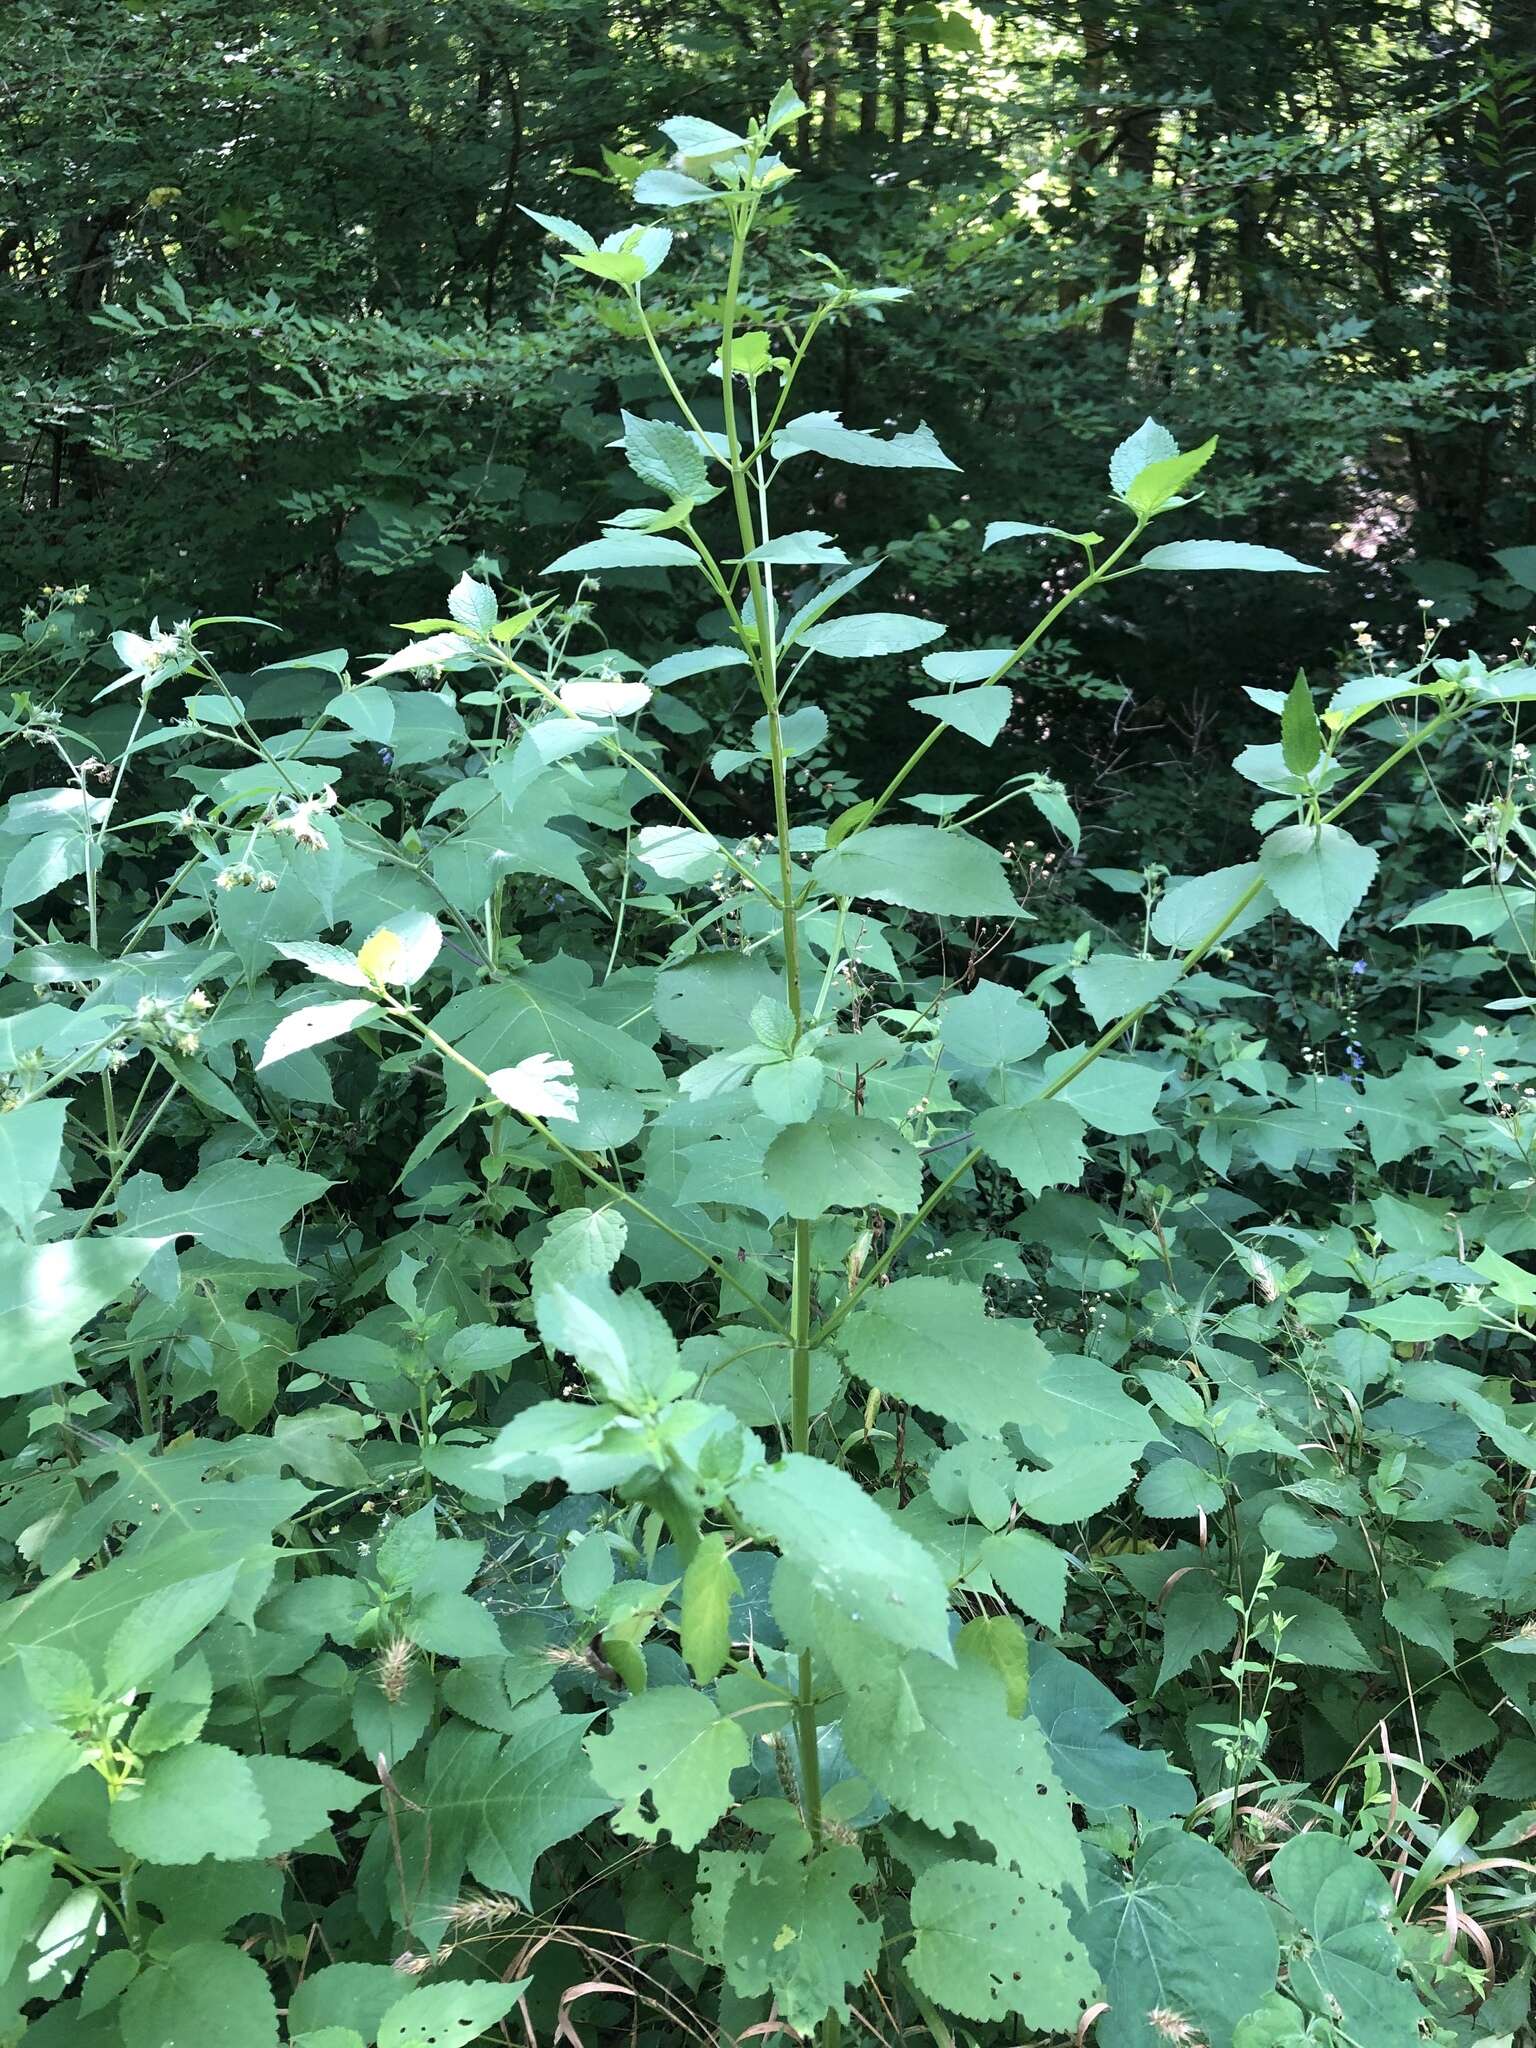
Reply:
x=599 y=1418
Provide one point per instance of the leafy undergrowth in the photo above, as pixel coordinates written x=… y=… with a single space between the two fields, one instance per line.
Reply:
x=620 y=1432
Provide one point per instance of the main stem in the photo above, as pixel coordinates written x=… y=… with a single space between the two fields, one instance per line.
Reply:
x=765 y=660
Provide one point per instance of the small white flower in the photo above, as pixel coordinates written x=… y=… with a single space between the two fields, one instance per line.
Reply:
x=1463 y=1052
x=537 y=1086
x=145 y=657
x=1480 y=1031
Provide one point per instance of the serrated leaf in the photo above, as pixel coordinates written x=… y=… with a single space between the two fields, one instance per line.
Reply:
x=1185 y=556
x=625 y=551
x=668 y=1755
x=667 y=457
x=991 y=1026
x=1150 y=443
x=1352 y=1963
x=1319 y=874
x=850 y=1549
x=236 y=1207
x=1039 y=1143
x=48 y=1292
x=931 y=1342
x=709 y=1585
x=1155 y=483
x=197 y=1801
x=980 y=714
x=1078 y=1716
x=823 y=433
x=315 y=1024
x=843 y=1161
x=472 y=604
x=206 y=1995
x=31 y=1140
x=564 y=230
x=991 y=1942
x=439 y=2014
x=919 y=867
x=862 y=636
x=793 y=1928
x=1301 y=737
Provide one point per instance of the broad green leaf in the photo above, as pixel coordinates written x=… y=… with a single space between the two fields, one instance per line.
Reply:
x=992 y=1026
x=1318 y=1634
x=1351 y=1964
x=1029 y=1571
x=194 y=1802
x=1150 y=443
x=1156 y=483
x=624 y=551
x=861 y=636
x=237 y=1207
x=620 y=1341
x=1192 y=908
x=448 y=2012
x=668 y=1756
x=472 y=604
x=709 y=1585
x=799 y=550
x=999 y=1645
x=823 y=433
x=566 y=231
x=1112 y=985
x=793 y=1927
x=932 y=1343
x=1175 y=1487
x=298 y=1798
x=1318 y=873
x=495 y=1802
x=578 y=1242
x=1186 y=555
x=1150 y=1936
x=851 y=1551
x=31 y=1139
x=49 y=1292
x=991 y=1942
x=920 y=867
x=788 y=1091
x=973 y=665
x=843 y=1161
x=1039 y=1143
x=206 y=1995
x=670 y=188
x=667 y=457
x=1078 y=1716
x=315 y=1024
x=1001 y=530
x=980 y=714
x=1301 y=737
x=31 y=1765
x=352 y=1995
x=940 y=1743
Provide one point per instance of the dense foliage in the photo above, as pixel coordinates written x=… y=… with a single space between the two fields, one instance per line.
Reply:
x=666 y=1379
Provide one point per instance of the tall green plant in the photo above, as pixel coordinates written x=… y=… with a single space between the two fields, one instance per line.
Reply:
x=785 y=1626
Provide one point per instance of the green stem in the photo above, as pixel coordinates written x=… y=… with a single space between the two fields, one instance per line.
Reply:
x=1025 y=647
x=800 y=1441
